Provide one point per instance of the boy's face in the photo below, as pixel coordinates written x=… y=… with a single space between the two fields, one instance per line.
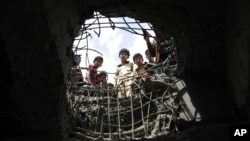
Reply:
x=78 y=60
x=123 y=56
x=98 y=63
x=138 y=60
x=102 y=79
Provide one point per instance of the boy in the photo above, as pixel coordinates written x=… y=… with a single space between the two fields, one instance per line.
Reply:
x=142 y=70
x=124 y=74
x=161 y=47
x=76 y=70
x=92 y=70
x=102 y=80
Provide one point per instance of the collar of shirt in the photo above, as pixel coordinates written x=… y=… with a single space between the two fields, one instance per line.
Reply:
x=121 y=64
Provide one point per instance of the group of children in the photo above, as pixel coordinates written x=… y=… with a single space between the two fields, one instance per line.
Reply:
x=126 y=74
x=93 y=77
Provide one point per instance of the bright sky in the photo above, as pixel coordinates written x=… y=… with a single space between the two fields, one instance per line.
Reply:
x=109 y=44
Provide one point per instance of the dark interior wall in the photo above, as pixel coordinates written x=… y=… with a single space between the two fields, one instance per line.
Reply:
x=36 y=39
x=237 y=55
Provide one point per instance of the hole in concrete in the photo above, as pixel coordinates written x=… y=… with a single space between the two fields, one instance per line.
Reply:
x=106 y=36
x=151 y=109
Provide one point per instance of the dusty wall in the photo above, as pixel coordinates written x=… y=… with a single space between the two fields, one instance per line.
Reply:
x=36 y=40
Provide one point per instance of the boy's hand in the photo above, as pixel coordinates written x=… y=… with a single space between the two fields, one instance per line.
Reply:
x=146 y=38
x=145 y=35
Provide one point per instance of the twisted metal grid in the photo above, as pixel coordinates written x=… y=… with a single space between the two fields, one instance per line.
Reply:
x=96 y=24
x=97 y=114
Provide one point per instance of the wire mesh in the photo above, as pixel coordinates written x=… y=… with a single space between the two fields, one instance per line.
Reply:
x=97 y=111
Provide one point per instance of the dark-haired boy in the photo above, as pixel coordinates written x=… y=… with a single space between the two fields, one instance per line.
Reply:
x=92 y=70
x=76 y=70
x=142 y=70
x=102 y=81
x=124 y=74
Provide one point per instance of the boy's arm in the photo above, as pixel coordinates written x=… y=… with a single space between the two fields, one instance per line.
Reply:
x=151 y=47
x=90 y=74
x=134 y=72
x=115 y=77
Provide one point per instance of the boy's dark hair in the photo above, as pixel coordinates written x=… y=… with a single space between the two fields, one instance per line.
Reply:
x=75 y=57
x=110 y=84
x=98 y=57
x=137 y=54
x=102 y=73
x=124 y=50
x=157 y=27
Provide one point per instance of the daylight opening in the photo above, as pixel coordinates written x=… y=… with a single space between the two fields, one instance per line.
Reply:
x=116 y=89
x=103 y=36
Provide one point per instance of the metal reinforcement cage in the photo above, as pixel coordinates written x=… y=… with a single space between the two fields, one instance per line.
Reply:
x=153 y=109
